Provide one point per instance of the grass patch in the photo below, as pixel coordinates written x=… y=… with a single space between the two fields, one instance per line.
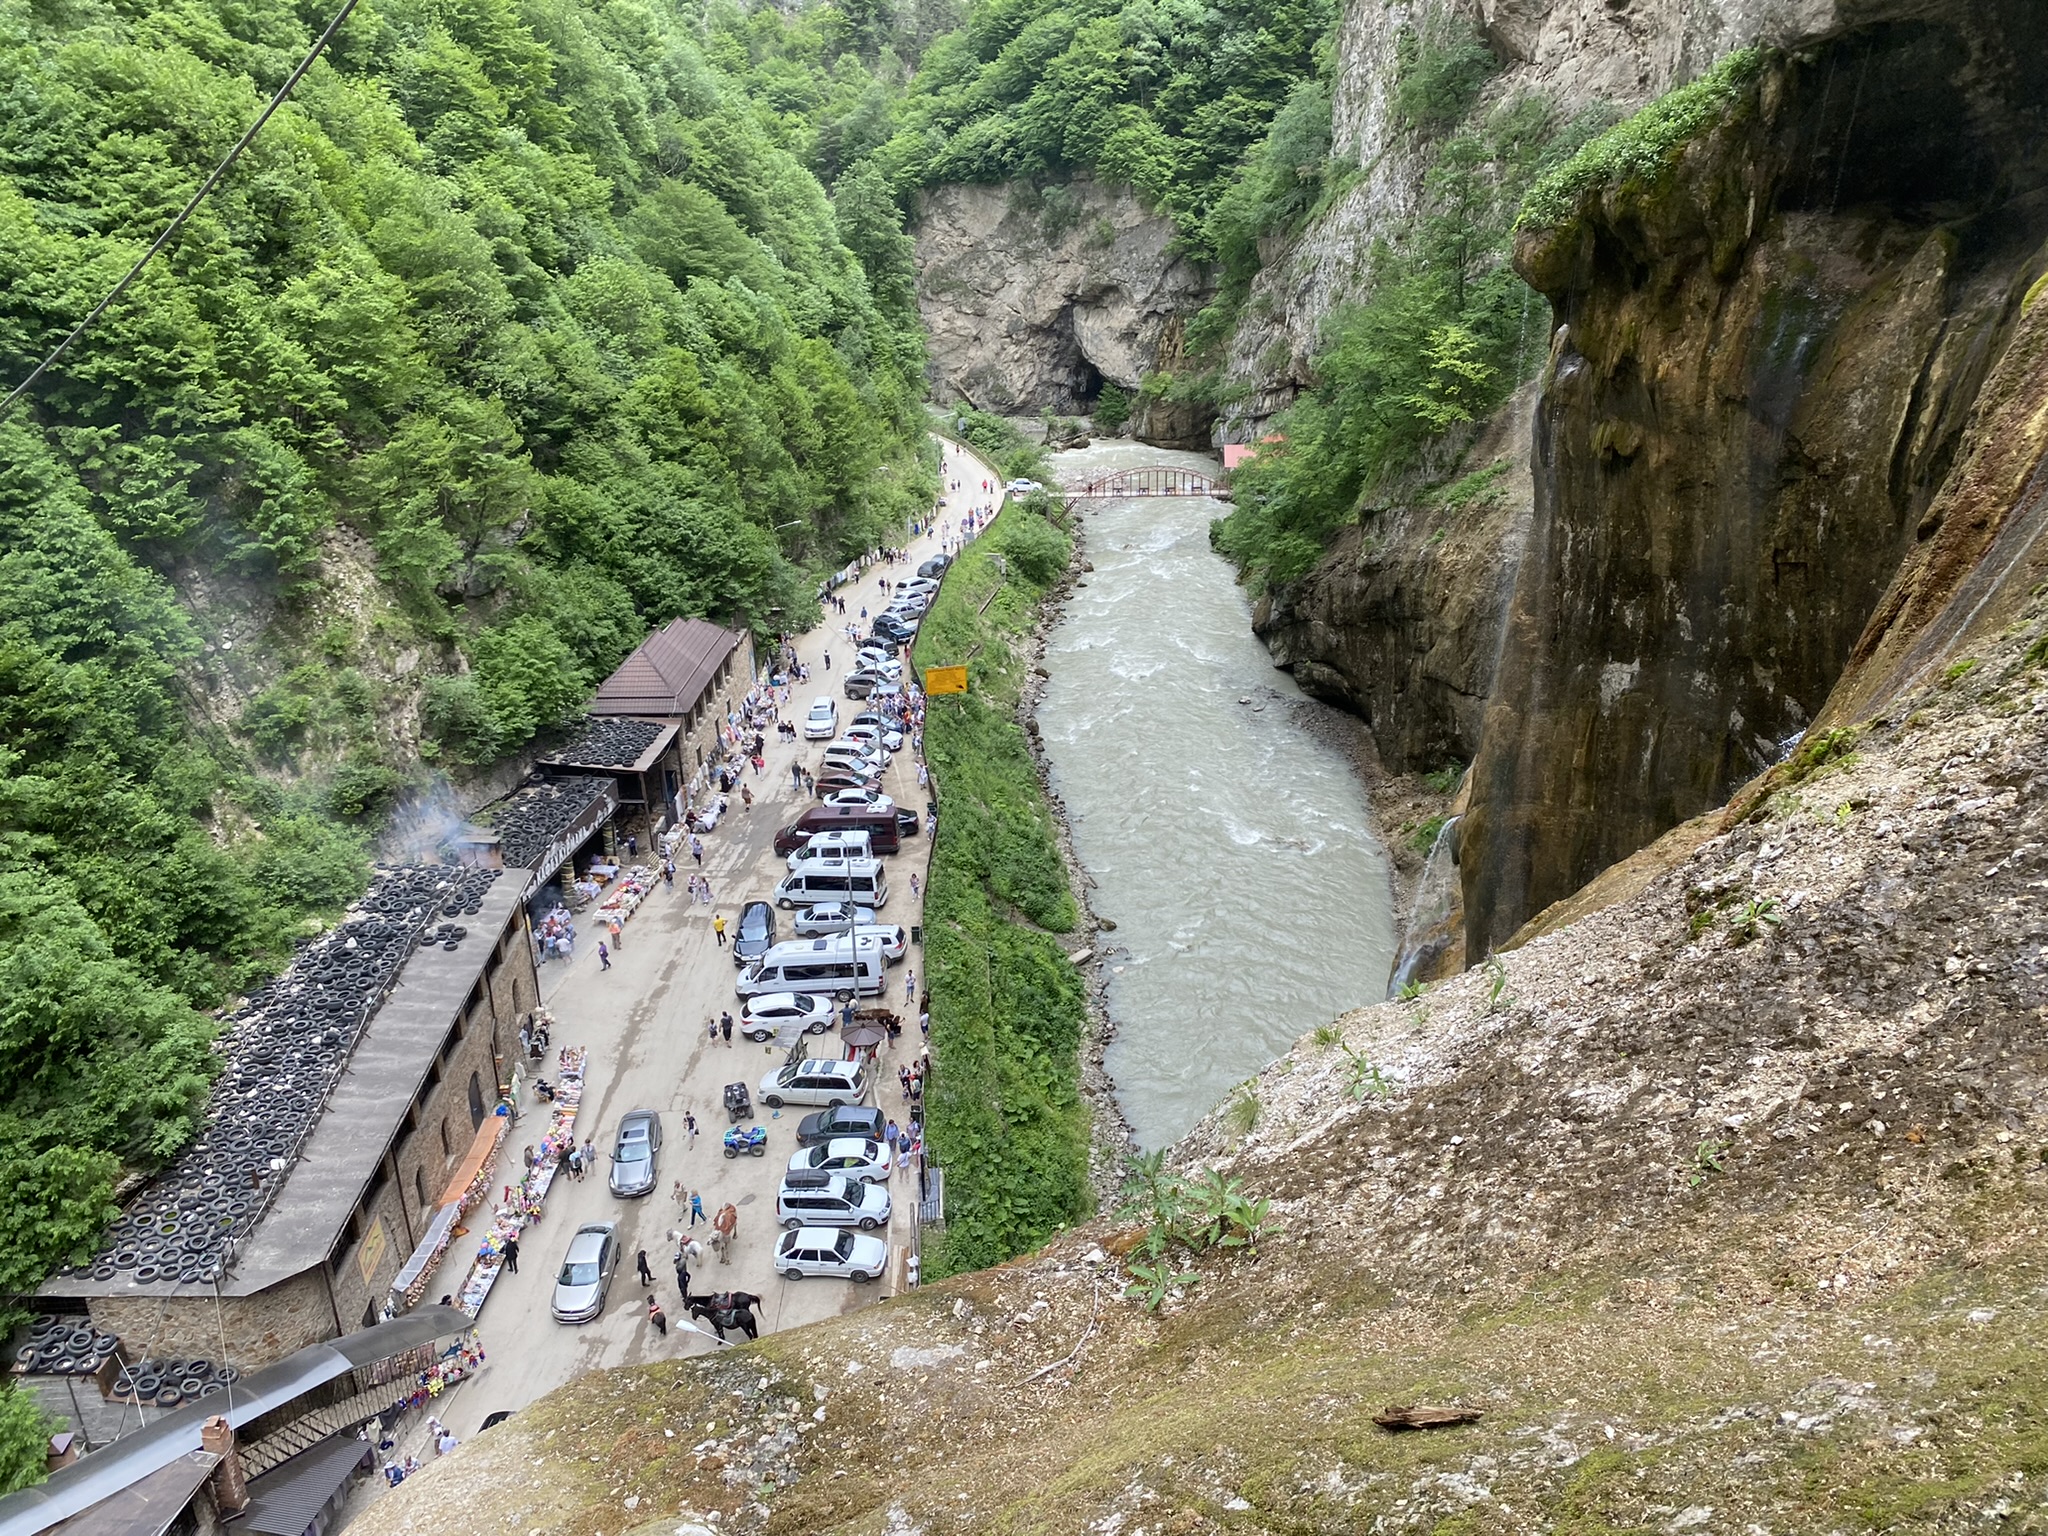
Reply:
x=1006 y=1118
x=1643 y=149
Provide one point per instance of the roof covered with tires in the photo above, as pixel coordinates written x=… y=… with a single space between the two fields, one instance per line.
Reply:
x=528 y=820
x=286 y=1056
x=611 y=741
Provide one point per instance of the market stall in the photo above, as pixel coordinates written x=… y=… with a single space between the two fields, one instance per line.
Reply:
x=520 y=1206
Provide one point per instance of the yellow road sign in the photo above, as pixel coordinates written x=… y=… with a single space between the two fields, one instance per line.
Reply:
x=945 y=679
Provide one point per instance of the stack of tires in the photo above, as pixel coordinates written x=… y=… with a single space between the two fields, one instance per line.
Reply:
x=168 y=1383
x=63 y=1346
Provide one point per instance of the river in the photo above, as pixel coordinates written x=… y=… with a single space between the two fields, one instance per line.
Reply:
x=1229 y=842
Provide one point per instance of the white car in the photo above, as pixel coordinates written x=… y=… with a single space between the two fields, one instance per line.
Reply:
x=815 y=1082
x=1023 y=487
x=831 y=1251
x=766 y=1012
x=852 y=757
x=887 y=667
x=822 y=723
x=861 y=799
x=831 y=917
x=918 y=584
x=849 y=1156
x=873 y=736
x=890 y=936
x=891 y=736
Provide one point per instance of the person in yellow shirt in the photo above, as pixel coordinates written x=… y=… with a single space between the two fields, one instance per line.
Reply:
x=718 y=927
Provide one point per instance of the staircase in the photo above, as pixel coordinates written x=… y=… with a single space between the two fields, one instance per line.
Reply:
x=321 y=1423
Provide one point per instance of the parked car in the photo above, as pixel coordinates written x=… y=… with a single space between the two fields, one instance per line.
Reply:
x=766 y=1012
x=846 y=1156
x=815 y=1082
x=827 y=1200
x=895 y=631
x=890 y=735
x=635 y=1153
x=832 y=780
x=830 y=1251
x=873 y=799
x=908 y=823
x=924 y=584
x=754 y=934
x=1022 y=487
x=874 y=738
x=888 y=668
x=830 y=917
x=890 y=936
x=935 y=567
x=859 y=685
x=822 y=723
x=586 y=1273
x=861 y=1121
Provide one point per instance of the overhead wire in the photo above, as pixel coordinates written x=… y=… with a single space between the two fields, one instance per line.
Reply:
x=170 y=230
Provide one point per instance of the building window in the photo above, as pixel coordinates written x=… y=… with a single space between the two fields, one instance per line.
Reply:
x=476 y=1101
x=419 y=1187
x=444 y=1141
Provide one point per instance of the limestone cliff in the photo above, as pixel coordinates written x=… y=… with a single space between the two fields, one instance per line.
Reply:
x=1033 y=300
x=1762 y=370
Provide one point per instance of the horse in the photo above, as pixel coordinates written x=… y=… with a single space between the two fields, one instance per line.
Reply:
x=725 y=1227
x=726 y=1309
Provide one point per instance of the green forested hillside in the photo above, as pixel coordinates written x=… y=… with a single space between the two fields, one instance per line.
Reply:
x=515 y=333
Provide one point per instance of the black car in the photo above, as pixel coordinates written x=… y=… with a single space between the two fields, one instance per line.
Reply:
x=841 y=1120
x=936 y=566
x=908 y=823
x=754 y=934
x=894 y=636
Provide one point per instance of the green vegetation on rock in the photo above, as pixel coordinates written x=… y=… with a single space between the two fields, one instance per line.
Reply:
x=1643 y=148
x=1006 y=1118
x=1445 y=333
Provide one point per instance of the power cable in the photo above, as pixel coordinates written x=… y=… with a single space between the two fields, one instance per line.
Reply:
x=283 y=93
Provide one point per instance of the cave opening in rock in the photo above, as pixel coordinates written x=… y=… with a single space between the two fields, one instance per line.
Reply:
x=1086 y=388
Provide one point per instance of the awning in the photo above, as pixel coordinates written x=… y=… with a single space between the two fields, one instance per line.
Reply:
x=290 y=1497
x=150 y=1506
x=434 y=1241
x=481 y=1149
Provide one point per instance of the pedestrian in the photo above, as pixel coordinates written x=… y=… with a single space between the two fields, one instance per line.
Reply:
x=589 y=1155
x=511 y=1255
x=828 y=654
x=696 y=1207
x=931 y=823
x=913 y=885
x=706 y=888
x=725 y=1028
x=903 y=1077
x=746 y=798
x=924 y=1022
x=710 y=1030
x=890 y=1135
x=657 y=1317
x=682 y=1275
x=604 y=956
x=910 y=988
x=697 y=849
x=718 y=927
x=690 y=1125
x=668 y=873
x=646 y=1274
x=613 y=926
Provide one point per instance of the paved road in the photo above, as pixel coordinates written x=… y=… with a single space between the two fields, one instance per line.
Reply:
x=643 y=1022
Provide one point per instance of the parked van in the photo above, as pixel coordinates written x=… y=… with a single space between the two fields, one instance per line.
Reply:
x=859 y=881
x=880 y=826
x=819 y=966
x=825 y=846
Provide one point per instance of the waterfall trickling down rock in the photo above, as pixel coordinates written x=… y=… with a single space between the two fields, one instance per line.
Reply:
x=1435 y=920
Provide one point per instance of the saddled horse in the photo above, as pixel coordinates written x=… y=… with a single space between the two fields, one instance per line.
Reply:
x=726 y=1309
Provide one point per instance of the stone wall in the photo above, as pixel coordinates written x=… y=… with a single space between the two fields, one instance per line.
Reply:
x=259 y=1329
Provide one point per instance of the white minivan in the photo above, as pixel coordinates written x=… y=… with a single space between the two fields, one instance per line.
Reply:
x=822 y=723
x=825 y=846
x=858 y=881
x=841 y=963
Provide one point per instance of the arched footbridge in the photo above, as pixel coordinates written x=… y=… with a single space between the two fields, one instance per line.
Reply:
x=1150 y=480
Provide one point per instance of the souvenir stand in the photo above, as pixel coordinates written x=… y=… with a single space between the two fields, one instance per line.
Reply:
x=521 y=1206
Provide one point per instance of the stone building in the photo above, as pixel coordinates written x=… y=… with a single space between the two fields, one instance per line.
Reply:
x=691 y=674
x=354 y=1084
